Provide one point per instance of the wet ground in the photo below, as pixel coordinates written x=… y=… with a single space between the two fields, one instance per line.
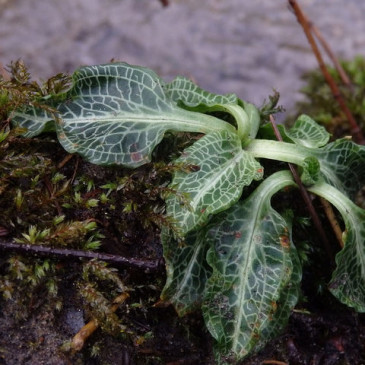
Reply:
x=246 y=47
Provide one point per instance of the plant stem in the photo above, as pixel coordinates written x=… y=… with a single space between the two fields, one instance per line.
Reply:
x=148 y=265
x=275 y=150
x=356 y=131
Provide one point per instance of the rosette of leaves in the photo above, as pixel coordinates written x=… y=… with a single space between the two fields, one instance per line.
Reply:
x=233 y=258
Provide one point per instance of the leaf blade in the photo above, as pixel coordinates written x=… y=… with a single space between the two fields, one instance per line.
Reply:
x=187 y=271
x=252 y=266
x=117 y=113
x=348 y=279
x=224 y=169
x=306 y=132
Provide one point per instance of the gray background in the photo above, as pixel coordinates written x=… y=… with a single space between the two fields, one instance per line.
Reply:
x=247 y=47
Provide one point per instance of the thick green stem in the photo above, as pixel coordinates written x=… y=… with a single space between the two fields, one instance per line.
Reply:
x=203 y=123
x=335 y=197
x=243 y=126
x=240 y=116
x=280 y=151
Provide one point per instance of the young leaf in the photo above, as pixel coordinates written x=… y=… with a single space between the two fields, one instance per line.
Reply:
x=117 y=113
x=310 y=171
x=223 y=169
x=343 y=165
x=184 y=90
x=348 y=279
x=306 y=132
x=251 y=256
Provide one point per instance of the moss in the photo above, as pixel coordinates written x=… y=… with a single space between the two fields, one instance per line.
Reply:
x=320 y=103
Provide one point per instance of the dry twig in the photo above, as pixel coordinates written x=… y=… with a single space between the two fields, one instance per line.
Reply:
x=333 y=220
x=148 y=265
x=303 y=21
x=343 y=75
x=86 y=331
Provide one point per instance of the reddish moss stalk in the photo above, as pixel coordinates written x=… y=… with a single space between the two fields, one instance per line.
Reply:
x=356 y=131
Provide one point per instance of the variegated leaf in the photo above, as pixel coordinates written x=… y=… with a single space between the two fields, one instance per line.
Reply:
x=253 y=273
x=222 y=169
x=117 y=113
x=348 y=279
x=187 y=271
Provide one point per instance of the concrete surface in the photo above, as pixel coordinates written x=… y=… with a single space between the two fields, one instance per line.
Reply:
x=245 y=47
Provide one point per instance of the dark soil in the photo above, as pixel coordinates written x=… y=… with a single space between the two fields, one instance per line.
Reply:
x=319 y=338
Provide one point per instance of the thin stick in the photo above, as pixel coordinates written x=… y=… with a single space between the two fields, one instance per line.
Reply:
x=86 y=331
x=356 y=131
x=306 y=197
x=344 y=77
x=333 y=220
x=274 y=362
x=75 y=170
x=148 y=265
x=64 y=161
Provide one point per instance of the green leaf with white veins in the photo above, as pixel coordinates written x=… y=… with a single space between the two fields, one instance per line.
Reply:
x=117 y=113
x=34 y=120
x=190 y=94
x=222 y=167
x=343 y=165
x=307 y=132
x=252 y=259
x=348 y=279
x=187 y=271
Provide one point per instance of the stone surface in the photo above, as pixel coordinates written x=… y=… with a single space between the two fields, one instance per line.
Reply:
x=246 y=47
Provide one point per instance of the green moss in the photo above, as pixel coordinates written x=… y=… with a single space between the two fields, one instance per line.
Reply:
x=320 y=103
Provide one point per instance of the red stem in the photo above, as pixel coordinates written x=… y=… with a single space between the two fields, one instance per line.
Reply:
x=356 y=131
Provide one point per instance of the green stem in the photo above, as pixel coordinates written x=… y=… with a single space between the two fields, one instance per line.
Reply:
x=253 y=119
x=281 y=151
x=240 y=116
x=203 y=123
x=344 y=205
